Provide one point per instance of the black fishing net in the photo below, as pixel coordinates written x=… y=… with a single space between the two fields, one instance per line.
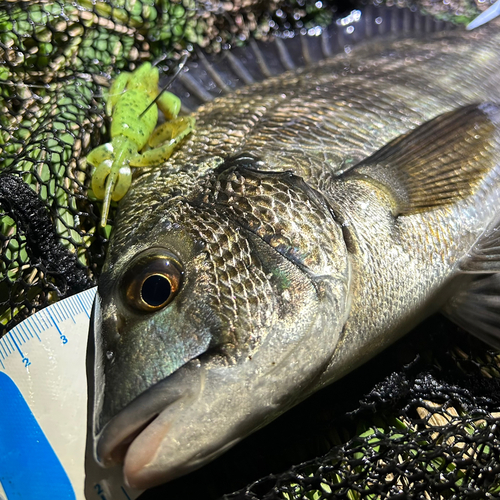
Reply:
x=426 y=426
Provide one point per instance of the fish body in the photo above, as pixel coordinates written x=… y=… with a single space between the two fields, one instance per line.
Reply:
x=309 y=221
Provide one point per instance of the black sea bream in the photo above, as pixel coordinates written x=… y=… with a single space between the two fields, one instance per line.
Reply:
x=309 y=220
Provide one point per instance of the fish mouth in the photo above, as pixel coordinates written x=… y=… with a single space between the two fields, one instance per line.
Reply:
x=112 y=442
x=115 y=439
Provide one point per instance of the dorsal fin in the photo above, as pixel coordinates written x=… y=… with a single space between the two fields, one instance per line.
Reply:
x=438 y=163
x=209 y=76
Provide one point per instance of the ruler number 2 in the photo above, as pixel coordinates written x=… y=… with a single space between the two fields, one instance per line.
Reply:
x=99 y=491
x=26 y=362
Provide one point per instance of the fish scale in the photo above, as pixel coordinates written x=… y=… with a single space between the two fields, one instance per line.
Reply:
x=230 y=262
x=256 y=203
x=315 y=216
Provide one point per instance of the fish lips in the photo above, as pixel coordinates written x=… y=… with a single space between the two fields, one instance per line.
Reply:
x=112 y=442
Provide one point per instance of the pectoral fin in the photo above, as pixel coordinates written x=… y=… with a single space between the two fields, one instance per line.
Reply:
x=477 y=309
x=439 y=163
x=484 y=256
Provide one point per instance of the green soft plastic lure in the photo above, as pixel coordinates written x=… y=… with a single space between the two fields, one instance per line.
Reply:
x=135 y=139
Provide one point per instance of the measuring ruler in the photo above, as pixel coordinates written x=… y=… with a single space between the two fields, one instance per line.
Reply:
x=43 y=409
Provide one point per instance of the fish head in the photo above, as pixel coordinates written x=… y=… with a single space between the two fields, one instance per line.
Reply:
x=213 y=316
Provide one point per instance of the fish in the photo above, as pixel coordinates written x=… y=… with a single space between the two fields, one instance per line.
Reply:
x=311 y=219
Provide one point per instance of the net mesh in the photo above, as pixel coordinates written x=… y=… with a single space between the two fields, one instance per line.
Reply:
x=428 y=429
x=440 y=444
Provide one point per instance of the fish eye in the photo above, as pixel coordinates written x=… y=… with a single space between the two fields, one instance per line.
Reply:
x=152 y=280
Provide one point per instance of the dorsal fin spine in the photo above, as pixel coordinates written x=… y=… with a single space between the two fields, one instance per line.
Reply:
x=214 y=75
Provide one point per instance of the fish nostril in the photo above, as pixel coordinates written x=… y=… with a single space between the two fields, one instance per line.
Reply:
x=120 y=325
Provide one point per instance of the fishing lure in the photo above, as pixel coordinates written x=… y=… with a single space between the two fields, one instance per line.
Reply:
x=132 y=104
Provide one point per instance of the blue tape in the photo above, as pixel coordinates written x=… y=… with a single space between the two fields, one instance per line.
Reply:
x=29 y=467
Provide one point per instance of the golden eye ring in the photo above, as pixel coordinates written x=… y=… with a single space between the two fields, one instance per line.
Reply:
x=152 y=280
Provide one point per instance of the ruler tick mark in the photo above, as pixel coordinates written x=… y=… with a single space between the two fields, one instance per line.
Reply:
x=61 y=335
x=17 y=347
x=54 y=322
x=83 y=306
x=25 y=331
x=11 y=345
x=5 y=350
x=125 y=493
x=34 y=327
x=19 y=334
x=14 y=332
x=36 y=322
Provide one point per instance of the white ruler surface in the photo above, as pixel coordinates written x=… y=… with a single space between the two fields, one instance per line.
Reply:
x=43 y=409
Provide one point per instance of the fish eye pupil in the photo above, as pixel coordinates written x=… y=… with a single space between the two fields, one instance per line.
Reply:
x=151 y=281
x=156 y=290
